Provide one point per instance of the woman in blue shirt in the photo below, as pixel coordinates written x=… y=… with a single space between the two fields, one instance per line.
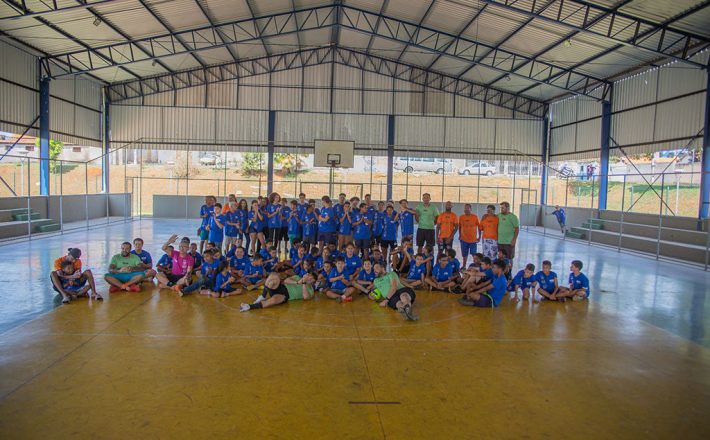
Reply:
x=256 y=227
x=273 y=218
x=389 y=230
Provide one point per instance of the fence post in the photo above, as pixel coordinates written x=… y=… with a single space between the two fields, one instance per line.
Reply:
x=660 y=217
x=86 y=193
x=621 y=224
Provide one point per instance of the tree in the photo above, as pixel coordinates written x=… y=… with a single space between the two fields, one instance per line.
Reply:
x=252 y=164
x=55 y=150
x=290 y=164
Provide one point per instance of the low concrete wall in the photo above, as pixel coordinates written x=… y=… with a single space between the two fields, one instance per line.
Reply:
x=535 y=215
x=73 y=207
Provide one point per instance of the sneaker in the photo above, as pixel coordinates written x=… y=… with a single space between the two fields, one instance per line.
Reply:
x=467 y=301
x=244 y=307
x=457 y=290
x=259 y=299
x=170 y=284
x=114 y=289
x=409 y=314
x=346 y=299
x=181 y=293
x=578 y=298
x=134 y=288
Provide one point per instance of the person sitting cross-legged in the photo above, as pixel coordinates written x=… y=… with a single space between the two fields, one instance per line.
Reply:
x=125 y=271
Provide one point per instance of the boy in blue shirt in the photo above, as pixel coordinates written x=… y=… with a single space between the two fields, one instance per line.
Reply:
x=323 y=284
x=271 y=260
x=231 y=225
x=362 y=234
x=309 y=225
x=146 y=259
x=365 y=278
x=559 y=214
x=442 y=275
x=389 y=230
x=339 y=279
x=353 y=263
x=378 y=221
x=205 y=282
x=239 y=262
x=478 y=278
x=326 y=223
x=165 y=264
x=345 y=226
x=547 y=282
x=293 y=223
x=216 y=226
x=578 y=284
x=492 y=293
x=402 y=256
x=254 y=274
x=416 y=276
x=223 y=284
x=405 y=217
x=206 y=212
x=377 y=257
x=524 y=280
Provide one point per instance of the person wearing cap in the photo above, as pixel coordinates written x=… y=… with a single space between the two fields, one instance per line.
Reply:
x=125 y=272
x=64 y=283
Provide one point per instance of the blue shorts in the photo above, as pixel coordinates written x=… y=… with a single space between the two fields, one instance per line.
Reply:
x=327 y=237
x=468 y=248
x=125 y=277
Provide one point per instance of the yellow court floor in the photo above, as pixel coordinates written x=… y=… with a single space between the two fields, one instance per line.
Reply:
x=632 y=362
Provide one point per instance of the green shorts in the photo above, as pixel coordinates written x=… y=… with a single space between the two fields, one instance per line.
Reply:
x=125 y=277
x=292 y=237
x=204 y=234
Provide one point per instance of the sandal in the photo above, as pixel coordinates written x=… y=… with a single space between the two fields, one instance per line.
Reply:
x=66 y=300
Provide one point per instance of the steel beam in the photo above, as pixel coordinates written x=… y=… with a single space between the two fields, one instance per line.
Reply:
x=604 y=154
x=45 y=8
x=105 y=182
x=271 y=133
x=622 y=28
x=44 y=136
x=545 y=160
x=312 y=57
x=417 y=29
x=390 y=153
x=704 y=210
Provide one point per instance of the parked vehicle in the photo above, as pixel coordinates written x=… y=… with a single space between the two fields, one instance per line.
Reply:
x=417 y=164
x=478 y=167
x=210 y=160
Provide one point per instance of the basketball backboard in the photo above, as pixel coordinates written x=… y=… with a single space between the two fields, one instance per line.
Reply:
x=334 y=153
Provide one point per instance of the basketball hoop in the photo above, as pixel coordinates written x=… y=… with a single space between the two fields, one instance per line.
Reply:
x=334 y=160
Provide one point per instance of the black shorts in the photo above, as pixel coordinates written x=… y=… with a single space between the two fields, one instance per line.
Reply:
x=274 y=235
x=326 y=237
x=394 y=299
x=310 y=240
x=281 y=290
x=392 y=244
x=484 y=301
x=363 y=244
x=172 y=278
x=425 y=235
x=510 y=249
x=284 y=233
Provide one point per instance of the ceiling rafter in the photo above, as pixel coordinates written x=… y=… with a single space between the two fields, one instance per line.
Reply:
x=318 y=56
x=417 y=29
x=206 y=13
x=458 y=34
x=50 y=7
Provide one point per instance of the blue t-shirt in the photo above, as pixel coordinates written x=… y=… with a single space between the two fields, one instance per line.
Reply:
x=546 y=282
x=488 y=275
x=271 y=210
x=239 y=263
x=166 y=261
x=522 y=281
x=338 y=209
x=345 y=227
x=216 y=233
x=442 y=274
x=256 y=223
x=498 y=291
x=579 y=282
x=300 y=271
x=456 y=264
x=269 y=265
x=329 y=224
x=253 y=273
x=309 y=224
x=378 y=222
x=294 y=228
x=144 y=256
x=198 y=260
x=416 y=272
x=293 y=252
x=366 y=276
x=406 y=221
x=209 y=210
x=389 y=232
x=209 y=269
x=352 y=263
x=221 y=279
x=229 y=230
x=264 y=253
x=285 y=214
x=338 y=285
x=301 y=209
x=560 y=214
x=362 y=231
x=381 y=261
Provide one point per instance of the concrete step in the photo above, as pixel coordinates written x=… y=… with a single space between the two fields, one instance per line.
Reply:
x=686 y=223
x=7 y=214
x=51 y=227
x=670 y=249
x=592 y=225
x=575 y=234
x=23 y=217
x=694 y=237
x=19 y=228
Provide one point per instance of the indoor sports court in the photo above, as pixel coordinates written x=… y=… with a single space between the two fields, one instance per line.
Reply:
x=420 y=219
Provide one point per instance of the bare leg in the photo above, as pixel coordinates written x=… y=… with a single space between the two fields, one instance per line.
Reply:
x=114 y=282
x=162 y=280
x=57 y=283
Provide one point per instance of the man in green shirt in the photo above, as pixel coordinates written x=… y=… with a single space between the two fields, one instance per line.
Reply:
x=508 y=230
x=125 y=271
x=425 y=215
x=390 y=291
x=281 y=292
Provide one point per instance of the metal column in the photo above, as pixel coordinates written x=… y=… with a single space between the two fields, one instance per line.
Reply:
x=44 y=136
x=107 y=148
x=705 y=170
x=604 y=154
x=270 y=154
x=545 y=161
x=390 y=154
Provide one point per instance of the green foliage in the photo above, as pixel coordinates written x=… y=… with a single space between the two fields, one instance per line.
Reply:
x=290 y=164
x=55 y=150
x=253 y=164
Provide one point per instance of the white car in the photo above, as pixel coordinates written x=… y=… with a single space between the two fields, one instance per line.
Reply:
x=476 y=167
x=210 y=160
x=414 y=164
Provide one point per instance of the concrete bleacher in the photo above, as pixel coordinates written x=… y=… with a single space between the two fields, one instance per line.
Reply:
x=19 y=221
x=680 y=238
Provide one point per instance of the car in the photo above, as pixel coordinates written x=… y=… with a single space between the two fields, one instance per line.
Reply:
x=210 y=160
x=416 y=164
x=478 y=167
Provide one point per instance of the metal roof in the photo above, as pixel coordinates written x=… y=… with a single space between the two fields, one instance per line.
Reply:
x=533 y=49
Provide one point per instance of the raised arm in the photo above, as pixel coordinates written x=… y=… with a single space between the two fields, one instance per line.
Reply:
x=170 y=241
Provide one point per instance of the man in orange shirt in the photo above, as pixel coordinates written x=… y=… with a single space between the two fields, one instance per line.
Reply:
x=446 y=226
x=67 y=284
x=489 y=233
x=468 y=233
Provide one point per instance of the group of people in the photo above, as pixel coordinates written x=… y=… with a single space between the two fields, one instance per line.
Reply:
x=344 y=249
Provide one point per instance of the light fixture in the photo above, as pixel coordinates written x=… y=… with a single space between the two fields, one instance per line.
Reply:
x=568 y=43
x=97 y=21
